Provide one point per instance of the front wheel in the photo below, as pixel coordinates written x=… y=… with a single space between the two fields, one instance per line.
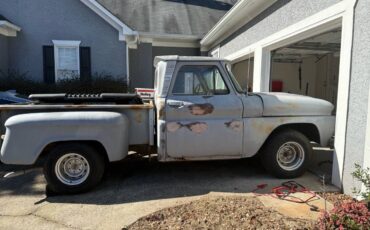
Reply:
x=286 y=154
x=73 y=168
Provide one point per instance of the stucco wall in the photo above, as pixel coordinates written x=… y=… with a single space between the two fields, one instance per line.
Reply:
x=277 y=17
x=358 y=95
x=3 y=53
x=45 y=20
x=141 y=62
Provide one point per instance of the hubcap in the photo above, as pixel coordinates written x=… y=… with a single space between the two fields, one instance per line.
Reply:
x=290 y=156
x=72 y=169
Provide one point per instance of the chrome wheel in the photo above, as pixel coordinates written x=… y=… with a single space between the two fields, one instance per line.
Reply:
x=290 y=156
x=72 y=169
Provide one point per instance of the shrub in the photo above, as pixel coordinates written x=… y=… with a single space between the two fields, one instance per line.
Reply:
x=347 y=215
x=99 y=83
x=362 y=175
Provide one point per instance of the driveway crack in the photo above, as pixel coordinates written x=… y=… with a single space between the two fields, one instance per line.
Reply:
x=44 y=218
x=55 y=222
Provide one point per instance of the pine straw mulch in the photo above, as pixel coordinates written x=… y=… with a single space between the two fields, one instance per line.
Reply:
x=335 y=197
x=231 y=212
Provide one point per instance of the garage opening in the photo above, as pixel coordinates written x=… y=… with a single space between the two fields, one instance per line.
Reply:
x=308 y=67
x=243 y=72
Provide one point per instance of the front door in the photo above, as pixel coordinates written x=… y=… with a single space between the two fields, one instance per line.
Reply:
x=203 y=114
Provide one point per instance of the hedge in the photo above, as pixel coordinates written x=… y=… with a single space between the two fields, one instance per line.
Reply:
x=99 y=83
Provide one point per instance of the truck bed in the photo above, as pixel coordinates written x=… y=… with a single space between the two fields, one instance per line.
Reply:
x=140 y=116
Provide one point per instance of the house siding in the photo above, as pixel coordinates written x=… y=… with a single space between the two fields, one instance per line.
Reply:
x=141 y=66
x=280 y=15
x=141 y=62
x=3 y=54
x=358 y=95
x=45 y=20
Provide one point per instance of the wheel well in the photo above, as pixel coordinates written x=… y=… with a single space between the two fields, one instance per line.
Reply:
x=95 y=144
x=307 y=129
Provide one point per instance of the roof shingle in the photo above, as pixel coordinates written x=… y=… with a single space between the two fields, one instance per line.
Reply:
x=188 y=17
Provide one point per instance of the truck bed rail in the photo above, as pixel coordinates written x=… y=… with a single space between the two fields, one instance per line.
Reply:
x=117 y=98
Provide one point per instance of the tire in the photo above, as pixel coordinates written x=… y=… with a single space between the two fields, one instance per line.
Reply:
x=286 y=154
x=72 y=168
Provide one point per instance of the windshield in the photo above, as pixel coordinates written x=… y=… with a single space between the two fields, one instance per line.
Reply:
x=233 y=79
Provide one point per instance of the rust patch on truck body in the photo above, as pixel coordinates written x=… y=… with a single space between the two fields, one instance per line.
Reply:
x=201 y=109
x=138 y=116
x=234 y=125
x=160 y=107
x=265 y=127
x=173 y=126
x=195 y=127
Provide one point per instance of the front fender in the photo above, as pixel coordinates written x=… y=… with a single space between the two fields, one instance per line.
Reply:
x=28 y=134
x=257 y=130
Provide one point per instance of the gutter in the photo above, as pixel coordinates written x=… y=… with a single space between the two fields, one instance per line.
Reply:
x=240 y=14
x=167 y=40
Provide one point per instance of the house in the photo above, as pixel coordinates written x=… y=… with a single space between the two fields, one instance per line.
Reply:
x=52 y=40
x=319 y=48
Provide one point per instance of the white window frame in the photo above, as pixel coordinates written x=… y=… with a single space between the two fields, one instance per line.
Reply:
x=65 y=44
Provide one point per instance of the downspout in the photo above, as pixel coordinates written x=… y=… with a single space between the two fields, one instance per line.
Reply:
x=128 y=44
x=127 y=67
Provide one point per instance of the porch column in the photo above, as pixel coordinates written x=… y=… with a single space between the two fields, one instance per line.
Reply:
x=261 y=71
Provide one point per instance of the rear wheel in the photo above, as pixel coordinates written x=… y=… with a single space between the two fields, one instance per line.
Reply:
x=286 y=154
x=73 y=168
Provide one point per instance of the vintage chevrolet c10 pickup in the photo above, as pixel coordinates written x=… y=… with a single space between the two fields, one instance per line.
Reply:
x=199 y=112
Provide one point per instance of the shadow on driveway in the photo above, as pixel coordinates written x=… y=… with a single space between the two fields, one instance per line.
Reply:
x=137 y=180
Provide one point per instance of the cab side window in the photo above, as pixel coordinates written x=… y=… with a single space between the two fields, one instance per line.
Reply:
x=199 y=80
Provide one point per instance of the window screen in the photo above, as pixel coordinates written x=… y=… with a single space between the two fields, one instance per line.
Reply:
x=199 y=80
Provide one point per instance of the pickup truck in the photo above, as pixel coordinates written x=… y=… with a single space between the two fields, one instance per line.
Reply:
x=199 y=112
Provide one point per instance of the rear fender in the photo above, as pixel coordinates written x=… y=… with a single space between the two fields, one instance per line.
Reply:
x=28 y=134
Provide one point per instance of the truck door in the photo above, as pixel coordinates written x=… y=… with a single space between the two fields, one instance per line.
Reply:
x=203 y=114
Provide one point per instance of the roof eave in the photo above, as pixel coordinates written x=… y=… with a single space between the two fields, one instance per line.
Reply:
x=186 y=58
x=110 y=18
x=183 y=37
x=8 y=29
x=240 y=14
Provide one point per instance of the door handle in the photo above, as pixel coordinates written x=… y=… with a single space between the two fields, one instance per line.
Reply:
x=176 y=104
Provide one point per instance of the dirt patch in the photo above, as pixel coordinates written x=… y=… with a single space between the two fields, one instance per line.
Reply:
x=221 y=213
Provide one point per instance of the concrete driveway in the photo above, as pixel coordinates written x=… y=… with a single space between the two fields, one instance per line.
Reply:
x=130 y=190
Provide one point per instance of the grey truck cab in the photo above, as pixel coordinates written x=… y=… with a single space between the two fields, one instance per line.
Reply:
x=199 y=112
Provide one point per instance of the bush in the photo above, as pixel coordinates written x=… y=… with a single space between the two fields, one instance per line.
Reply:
x=348 y=215
x=99 y=83
x=362 y=175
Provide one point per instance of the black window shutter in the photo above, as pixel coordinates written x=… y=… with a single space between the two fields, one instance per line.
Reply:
x=49 y=64
x=85 y=64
